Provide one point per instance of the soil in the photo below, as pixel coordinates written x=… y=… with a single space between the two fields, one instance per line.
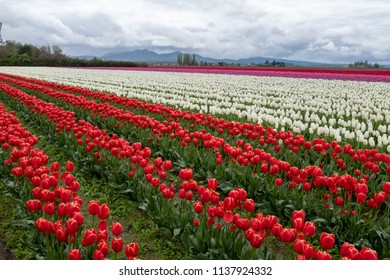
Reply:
x=5 y=252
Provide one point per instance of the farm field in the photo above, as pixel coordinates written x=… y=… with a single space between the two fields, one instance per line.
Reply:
x=231 y=164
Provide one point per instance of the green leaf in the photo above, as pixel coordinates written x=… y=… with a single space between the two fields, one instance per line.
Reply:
x=194 y=242
x=143 y=206
x=176 y=232
x=321 y=221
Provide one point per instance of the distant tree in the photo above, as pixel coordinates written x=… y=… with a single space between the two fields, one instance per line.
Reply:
x=24 y=59
x=57 y=52
x=180 y=59
x=187 y=59
x=363 y=64
x=193 y=61
x=15 y=54
x=25 y=49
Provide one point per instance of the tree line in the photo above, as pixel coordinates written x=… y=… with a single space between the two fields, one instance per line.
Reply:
x=13 y=53
x=363 y=64
x=186 y=59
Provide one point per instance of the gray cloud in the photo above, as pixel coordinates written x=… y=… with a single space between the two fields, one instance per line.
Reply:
x=322 y=30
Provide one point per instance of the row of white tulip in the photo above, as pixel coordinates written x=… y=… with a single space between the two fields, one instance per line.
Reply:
x=348 y=110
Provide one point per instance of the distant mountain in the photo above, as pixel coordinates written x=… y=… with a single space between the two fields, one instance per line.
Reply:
x=171 y=58
x=142 y=56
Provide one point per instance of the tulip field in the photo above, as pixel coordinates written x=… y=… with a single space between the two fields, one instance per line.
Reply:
x=231 y=163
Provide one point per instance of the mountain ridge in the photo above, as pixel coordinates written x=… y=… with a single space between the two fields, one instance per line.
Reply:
x=148 y=56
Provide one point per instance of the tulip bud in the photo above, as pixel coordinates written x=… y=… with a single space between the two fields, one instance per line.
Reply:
x=116 y=228
x=117 y=244
x=69 y=166
x=212 y=183
x=198 y=207
x=327 y=240
x=33 y=205
x=71 y=226
x=104 y=211
x=131 y=250
x=309 y=229
x=368 y=254
x=74 y=254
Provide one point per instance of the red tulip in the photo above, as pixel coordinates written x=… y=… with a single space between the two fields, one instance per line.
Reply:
x=33 y=205
x=49 y=208
x=278 y=182
x=309 y=229
x=212 y=183
x=277 y=229
x=131 y=250
x=103 y=247
x=308 y=250
x=185 y=174
x=55 y=167
x=255 y=240
x=102 y=225
x=361 y=198
x=74 y=254
x=61 y=234
x=269 y=221
x=104 y=211
x=371 y=203
x=321 y=255
x=117 y=228
x=368 y=254
x=69 y=178
x=299 y=245
x=298 y=224
x=298 y=214
x=196 y=223
x=75 y=186
x=117 y=244
x=241 y=194
x=327 y=240
x=102 y=234
x=90 y=237
x=98 y=255
x=69 y=166
x=198 y=207
x=93 y=207
x=339 y=201
x=78 y=216
x=65 y=195
x=249 y=205
x=17 y=171
x=43 y=226
x=71 y=226
x=380 y=197
x=386 y=187
x=348 y=250
x=288 y=234
x=73 y=208
x=62 y=209
x=167 y=165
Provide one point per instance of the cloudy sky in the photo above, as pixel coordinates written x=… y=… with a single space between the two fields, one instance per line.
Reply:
x=315 y=30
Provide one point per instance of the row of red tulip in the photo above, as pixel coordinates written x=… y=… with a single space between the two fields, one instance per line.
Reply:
x=54 y=199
